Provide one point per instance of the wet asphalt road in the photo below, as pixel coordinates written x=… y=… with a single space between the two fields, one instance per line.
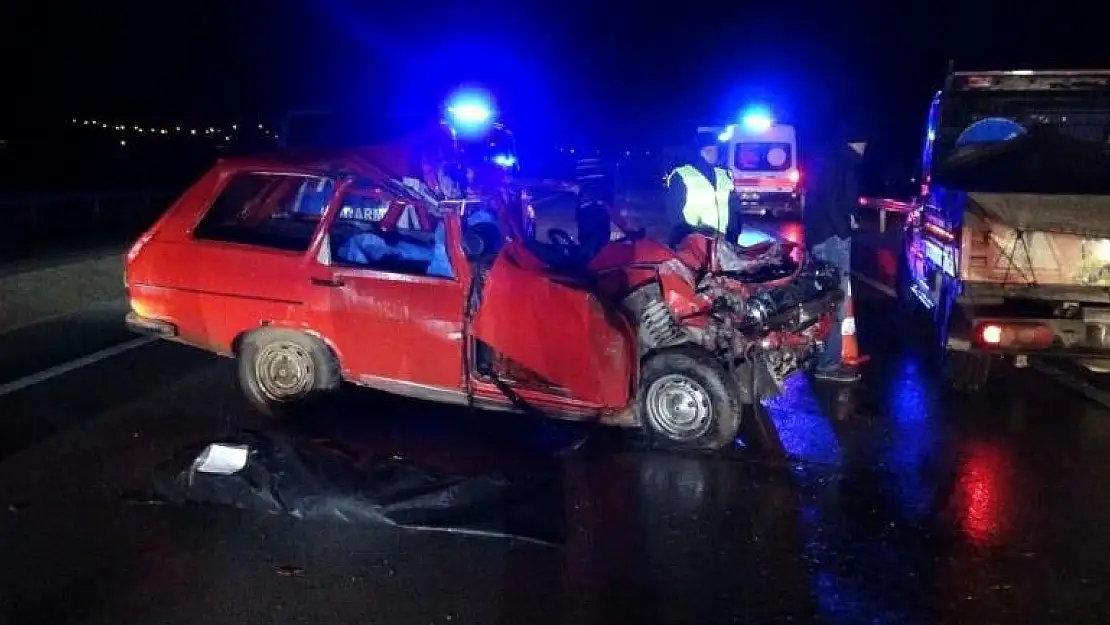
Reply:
x=899 y=504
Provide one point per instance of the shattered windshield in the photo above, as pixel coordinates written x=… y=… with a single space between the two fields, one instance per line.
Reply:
x=1024 y=142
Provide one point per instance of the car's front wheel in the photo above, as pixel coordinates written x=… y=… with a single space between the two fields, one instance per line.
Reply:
x=282 y=371
x=686 y=401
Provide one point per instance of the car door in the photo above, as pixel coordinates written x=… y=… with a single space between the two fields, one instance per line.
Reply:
x=394 y=304
x=557 y=330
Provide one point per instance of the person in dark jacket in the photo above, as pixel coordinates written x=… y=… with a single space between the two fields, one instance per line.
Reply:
x=831 y=198
x=594 y=183
x=701 y=196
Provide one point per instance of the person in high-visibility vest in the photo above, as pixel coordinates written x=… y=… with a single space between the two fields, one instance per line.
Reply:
x=701 y=196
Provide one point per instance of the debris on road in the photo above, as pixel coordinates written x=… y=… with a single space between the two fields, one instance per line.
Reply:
x=288 y=570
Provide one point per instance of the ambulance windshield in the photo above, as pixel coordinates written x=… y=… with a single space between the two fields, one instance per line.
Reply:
x=763 y=156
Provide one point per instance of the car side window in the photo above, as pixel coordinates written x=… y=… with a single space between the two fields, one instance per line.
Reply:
x=276 y=211
x=373 y=230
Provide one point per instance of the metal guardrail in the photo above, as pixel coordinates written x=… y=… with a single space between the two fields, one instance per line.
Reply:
x=83 y=197
x=46 y=223
x=37 y=210
x=885 y=206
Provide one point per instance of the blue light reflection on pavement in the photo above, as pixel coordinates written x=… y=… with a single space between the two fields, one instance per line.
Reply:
x=829 y=474
x=914 y=438
x=804 y=430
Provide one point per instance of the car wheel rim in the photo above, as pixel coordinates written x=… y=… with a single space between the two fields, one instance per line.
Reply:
x=284 y=371
x=679 y=407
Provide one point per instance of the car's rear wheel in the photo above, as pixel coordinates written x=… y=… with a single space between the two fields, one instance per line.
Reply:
x=686 y=401
x=284 y=371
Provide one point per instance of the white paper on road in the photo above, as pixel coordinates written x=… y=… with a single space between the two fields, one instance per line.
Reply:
x=222 y=459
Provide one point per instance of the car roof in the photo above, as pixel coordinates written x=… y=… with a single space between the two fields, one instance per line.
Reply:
x=384 y=164
x=373 y=162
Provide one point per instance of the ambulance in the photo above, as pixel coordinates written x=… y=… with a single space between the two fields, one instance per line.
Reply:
x=762 y=156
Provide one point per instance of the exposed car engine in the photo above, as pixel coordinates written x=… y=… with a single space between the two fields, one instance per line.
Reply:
x=766 y=328
x=766 y=305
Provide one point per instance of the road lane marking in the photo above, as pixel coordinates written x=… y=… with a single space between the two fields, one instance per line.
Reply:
x=1073 y=381
x=875 y=284
x=73 y=365
x=102 y=305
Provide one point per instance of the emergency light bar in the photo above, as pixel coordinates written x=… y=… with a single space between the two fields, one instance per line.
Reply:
x=757 y=119
x=470 y=111
x=504 y=160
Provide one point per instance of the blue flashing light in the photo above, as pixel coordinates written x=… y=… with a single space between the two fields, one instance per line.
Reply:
x=504 y=160
x=757 y=120
x=727 y=133
x=470 y=111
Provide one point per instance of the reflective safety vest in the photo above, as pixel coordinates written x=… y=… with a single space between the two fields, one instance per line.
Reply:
x=706 y=202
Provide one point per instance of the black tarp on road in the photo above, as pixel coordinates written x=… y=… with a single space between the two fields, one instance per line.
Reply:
x=321 y=479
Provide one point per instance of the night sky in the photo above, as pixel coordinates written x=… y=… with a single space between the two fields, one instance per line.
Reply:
x=612 y=71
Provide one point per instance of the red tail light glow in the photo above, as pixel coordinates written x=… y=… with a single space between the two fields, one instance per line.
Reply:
x=794 y=176
x=1014 y=335
x=991 y=334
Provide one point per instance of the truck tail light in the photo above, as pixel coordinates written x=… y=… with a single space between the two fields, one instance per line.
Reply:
x=1014 y=335
x=794 y=176
x=991 y=334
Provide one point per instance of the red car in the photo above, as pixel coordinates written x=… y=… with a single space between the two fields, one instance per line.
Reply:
x=291 y=267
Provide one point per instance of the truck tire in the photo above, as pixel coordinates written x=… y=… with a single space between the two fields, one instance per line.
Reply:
x=687 y=401
x=284 y=372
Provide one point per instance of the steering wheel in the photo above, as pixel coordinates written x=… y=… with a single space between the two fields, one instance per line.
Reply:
x=561 y=237
x=481 y=239
x=562 y=246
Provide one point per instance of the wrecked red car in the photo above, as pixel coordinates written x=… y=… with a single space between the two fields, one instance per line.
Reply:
x=312 y=275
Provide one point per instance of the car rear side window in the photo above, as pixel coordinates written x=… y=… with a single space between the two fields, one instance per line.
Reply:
x=276 y=211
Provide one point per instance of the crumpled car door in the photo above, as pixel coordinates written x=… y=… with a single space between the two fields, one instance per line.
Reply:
x=559 y=332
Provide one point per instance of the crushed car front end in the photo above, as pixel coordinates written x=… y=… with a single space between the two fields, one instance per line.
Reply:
x=768 y=321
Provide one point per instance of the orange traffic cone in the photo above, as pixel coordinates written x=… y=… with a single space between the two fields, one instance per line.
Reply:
x=849 y=346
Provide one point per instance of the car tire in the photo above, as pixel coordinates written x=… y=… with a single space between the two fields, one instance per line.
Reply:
x=283 y=372
x=687 y=401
